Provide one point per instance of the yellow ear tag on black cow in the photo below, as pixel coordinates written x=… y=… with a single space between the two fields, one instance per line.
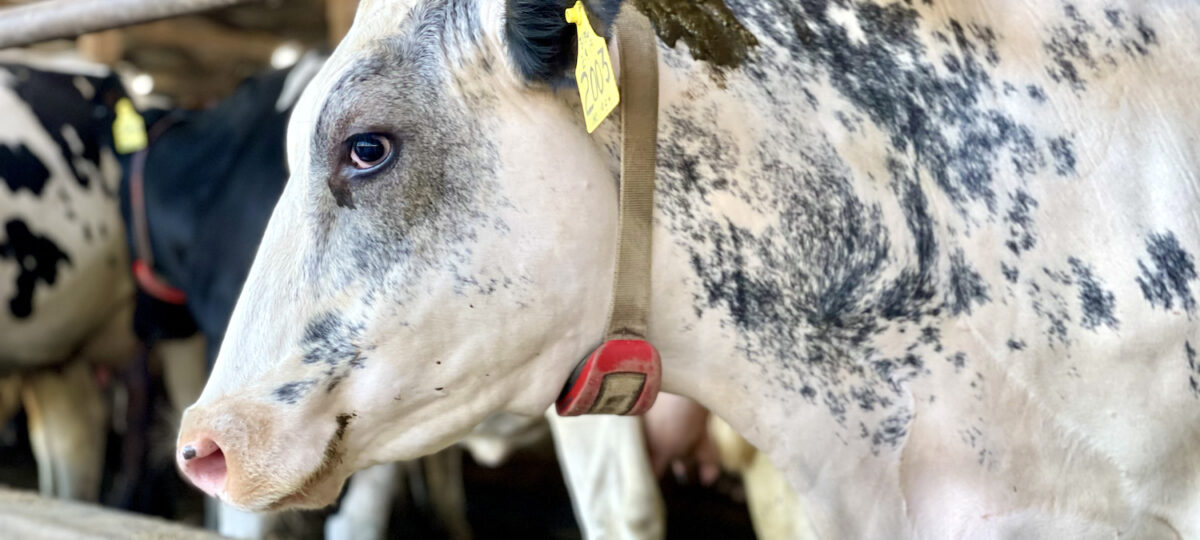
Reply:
x=593 y=70
x=129 y=129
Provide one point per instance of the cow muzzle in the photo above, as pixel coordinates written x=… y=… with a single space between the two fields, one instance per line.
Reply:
x=252 y=456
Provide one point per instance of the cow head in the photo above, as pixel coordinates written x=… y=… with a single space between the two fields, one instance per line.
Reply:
x=443 y=251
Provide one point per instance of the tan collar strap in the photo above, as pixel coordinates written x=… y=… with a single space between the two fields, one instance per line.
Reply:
x=623 y=375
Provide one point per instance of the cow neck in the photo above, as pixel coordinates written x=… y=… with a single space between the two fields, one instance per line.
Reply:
x=623 y=375
x=143 y=257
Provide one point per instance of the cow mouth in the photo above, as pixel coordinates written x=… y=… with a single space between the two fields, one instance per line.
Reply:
x=311 y=488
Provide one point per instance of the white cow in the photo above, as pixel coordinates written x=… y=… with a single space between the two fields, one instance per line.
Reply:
x=936 y=259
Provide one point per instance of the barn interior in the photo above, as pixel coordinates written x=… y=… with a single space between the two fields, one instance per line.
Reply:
x=195 y=61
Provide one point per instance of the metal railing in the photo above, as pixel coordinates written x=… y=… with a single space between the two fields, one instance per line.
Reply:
x=52 y=19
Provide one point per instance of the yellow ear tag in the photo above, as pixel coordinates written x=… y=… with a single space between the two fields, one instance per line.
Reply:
x=129 y=129
x=593 y=70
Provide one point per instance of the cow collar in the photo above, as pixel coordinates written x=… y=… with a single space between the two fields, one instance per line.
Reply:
x=623 y=375
x=143 y=255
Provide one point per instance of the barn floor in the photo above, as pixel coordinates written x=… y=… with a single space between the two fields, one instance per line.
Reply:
x=526 y=498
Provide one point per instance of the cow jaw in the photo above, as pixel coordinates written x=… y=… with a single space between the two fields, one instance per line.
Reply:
x=466 y=279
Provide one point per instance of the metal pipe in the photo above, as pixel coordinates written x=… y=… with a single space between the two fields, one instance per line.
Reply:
x=53 y=19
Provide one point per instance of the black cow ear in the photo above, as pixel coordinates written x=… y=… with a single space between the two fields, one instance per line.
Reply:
x=542 y=42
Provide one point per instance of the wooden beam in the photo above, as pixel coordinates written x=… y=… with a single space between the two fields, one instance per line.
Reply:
x=340 y=14
x=52 y=19
x=203 y=38
x=107 y=47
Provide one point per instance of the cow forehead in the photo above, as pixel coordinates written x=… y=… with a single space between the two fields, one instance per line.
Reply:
x=452 y=30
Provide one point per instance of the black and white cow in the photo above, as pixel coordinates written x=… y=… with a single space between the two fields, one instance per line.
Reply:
x=63 y=243
x=936 y=259
x=66 y=299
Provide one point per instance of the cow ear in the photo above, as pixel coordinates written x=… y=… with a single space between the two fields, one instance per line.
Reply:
x=542 y=43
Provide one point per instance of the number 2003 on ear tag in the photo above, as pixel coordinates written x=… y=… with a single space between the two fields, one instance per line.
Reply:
x=593 y=70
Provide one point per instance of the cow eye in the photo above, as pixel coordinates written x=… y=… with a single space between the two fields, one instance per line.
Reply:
x=369 y=150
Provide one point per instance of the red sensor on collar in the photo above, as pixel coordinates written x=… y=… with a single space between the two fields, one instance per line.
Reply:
x=154 y=286
x=622 y=377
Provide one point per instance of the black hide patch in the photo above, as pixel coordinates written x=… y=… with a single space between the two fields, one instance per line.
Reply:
x=37 y=257
x=60 y=108
x=20 y=169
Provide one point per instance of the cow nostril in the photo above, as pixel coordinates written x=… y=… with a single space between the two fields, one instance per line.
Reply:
x=203 y=462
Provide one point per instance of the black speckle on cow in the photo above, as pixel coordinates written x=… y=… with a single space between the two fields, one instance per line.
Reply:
x=931 y=335
x=332 y=342
x=1167 y=273
x=893 y=430
x=967 y=288
x=1036 y=93
x=1011 y=274
x=1081 y=49
x=917 y=104
x=1022 y=232
x=908 y=294
x=1096 y=302
x=1069 y=47
x=1063 y=151
x=1193 y=369
x=292 y=392
x=1051 y=306
x=824 y=275
x=37 y=257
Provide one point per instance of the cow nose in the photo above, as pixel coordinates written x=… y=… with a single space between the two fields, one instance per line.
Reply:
x=203 y=463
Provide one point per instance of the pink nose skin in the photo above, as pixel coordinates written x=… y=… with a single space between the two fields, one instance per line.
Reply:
x=203 y=462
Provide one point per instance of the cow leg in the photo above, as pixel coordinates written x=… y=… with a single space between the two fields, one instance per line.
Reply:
x=775 y=511
x=10 y=398
x=183 y=369
x=67 y=425
x=607 y=471
x=444 y=479
x=367 y=506
x=235 y=523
